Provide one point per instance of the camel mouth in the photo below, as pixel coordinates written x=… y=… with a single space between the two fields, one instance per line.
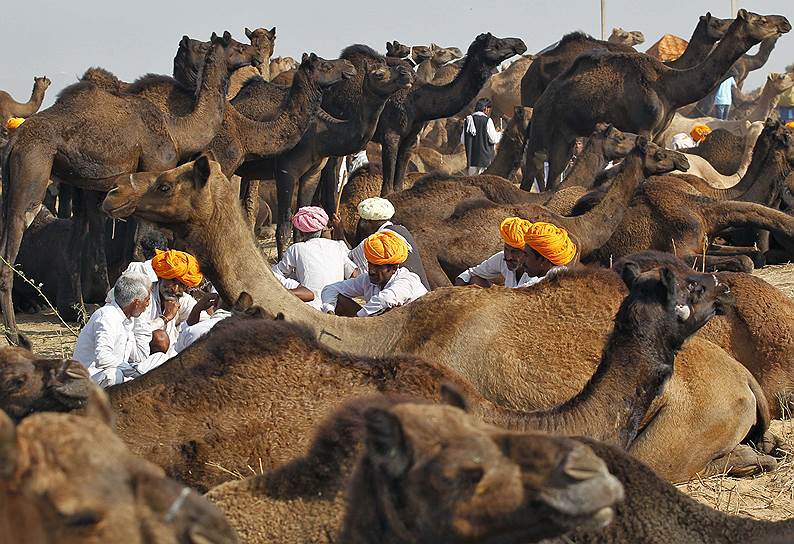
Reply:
x=121 y=211
x=73 y=393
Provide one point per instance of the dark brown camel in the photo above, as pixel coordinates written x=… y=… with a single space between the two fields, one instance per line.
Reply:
x=648 y=93
x=749 y=63
x=89 y=136
x=509 y=153
x=11 y=108
x=722 y=149
x=359 y=101
x=306 y=498
x=69 y=479
x=708 y=31
x=407 y=111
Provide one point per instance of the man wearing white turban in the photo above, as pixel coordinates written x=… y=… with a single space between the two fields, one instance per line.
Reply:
x=375 y=215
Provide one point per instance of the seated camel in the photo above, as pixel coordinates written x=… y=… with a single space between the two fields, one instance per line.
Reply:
x=69 y=479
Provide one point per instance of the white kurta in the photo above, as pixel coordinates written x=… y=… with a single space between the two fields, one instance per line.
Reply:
x=528 y=281
x=107 y=346
x=314 y=264
x=403 y=287
x=492 y=268
x=190 y=333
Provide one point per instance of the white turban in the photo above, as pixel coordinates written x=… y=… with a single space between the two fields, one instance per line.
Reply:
x=375 y=209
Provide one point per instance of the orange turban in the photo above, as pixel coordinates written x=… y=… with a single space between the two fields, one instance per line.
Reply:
x=699 y=132
x=512 y=231
x=14 y=122
x=551 y=242
x=385 y=247
x=790 y=124
x=177 y=265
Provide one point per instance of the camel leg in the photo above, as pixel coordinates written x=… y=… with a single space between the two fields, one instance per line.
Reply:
x=251 y=201
x=740 y=462
x=65 y=193
x=753 y=253
x=286 y=180
x=94 y=266
x=403 y=154
x=389 y=149
x=327 y=188
x=559 y=154
x=720 y=263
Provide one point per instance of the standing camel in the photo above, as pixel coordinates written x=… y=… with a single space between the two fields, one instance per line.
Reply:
x=11 y=108
x=407 y=112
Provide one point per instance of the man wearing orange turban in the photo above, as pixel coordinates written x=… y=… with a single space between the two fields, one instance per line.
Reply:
x=507 y=264
x=386 y=285
x=699 y=133
x=548 y=249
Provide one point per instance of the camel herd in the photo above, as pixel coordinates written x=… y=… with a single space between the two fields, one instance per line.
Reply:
x=561 y=412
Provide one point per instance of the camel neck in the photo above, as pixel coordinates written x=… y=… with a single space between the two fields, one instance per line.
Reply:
x=754 y=62
x=698 y=48
x=594 y=228
x=193 y=132
x=345 y=137
x=508 y=156
x=438 y=101
x=26 y=109
x=690 y=85
x=587 y=165
x=763 y=106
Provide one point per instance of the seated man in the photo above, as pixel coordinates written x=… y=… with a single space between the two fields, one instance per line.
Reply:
x=693 y=139
x=190 y=333
x=548 y=250
x=314 y=262
x=107 y=343
x=386 y=284
x=507 y=264
x=375 y=214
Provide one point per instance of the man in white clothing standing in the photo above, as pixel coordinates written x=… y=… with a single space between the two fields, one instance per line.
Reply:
x=314 y=262
x=107 y=343
x=386 y=284
x=480 y=137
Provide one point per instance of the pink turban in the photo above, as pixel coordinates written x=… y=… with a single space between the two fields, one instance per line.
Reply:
x=310 y=219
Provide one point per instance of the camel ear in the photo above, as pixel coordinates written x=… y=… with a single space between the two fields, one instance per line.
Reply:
x=313 y=57
x=98 y=406
x=185 y=40
x=8 y=446
x=24 y=342
x=450 y=395
x=387 y=446
x=631 y=271
x=742 y=14
x=669 y=282
x=213 y=38
x=273 y=32
x=227 y=36
x=602 y=127
x=201 y=171
x=243 y=302
x=248 y=33
x=304 y=57
x=642 y=144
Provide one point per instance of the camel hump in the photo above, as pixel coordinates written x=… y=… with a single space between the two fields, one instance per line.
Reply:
x=103 y=79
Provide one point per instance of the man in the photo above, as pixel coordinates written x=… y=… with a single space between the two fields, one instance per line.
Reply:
x=107 y=343
x=724 y=97
x=548 y=250
x=314 y=262
x=480 y=137
x=507 y=264
x=693 y=139
x=190 y=333
x=386 y=284
x=374 y=216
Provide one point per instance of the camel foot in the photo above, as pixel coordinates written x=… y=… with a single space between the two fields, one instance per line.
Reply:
x=743 y=461
x=771 y=444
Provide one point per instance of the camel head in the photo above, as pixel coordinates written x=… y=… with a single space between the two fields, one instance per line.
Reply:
x=677 y=306
x=625 y=37
x=29 y=384
x=463 y=480
x=659 y=160
x=384 y=80
x=616 y=144
x=70 y=479
x=397 y=50
x=491 y=51
x=263 y=40
x=781 y=82
x=237 y=54
x=757 y=28
x=715 y=27
x=41 y=83
x=519 y=123
x=421 y=53
x=443 y=55
x=326 y=72
x=282 y=64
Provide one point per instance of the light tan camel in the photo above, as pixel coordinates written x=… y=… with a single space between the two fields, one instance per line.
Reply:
x=281 y=64
x=466 y=337
x=11 y=108
x=264 y=41
x=764 y=105
x=504 y=88
x=626 y=37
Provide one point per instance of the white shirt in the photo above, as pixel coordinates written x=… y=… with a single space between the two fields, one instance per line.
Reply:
x=403 y=287
x=190 y=333
x=494 y=136
x=357 y=253
x=492 y=268
x=107 y=342
x=682 y=140
x=314 y=264
x=529 y=281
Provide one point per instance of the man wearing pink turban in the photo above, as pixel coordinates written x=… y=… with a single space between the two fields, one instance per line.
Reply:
x=315 y=261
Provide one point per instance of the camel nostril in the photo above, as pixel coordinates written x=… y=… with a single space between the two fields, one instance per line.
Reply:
x=583 y=465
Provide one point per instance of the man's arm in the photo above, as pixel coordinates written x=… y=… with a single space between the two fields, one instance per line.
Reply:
x=493 y=135
x=398 y=293
x=207 y=301
x=351 y=288
x=108 y=336
x=489 y=269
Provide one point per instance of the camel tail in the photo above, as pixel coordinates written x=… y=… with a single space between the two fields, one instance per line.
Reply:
x=763 y=413
x=722 y=215
x=6 y=172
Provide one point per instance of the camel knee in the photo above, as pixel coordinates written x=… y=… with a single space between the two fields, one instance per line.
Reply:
x=160 y=342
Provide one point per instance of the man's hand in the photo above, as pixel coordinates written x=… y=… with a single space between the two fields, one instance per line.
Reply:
x=337 y=229
x=170 y=309
x=208 y=301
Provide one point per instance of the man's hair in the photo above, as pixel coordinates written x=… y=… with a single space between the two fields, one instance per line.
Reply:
x=131 y=287
x=482 y=103
x=311 y=235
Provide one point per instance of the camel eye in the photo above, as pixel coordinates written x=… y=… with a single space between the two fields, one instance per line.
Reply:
x=164 y=188
x=470 y=477
x=15 y=383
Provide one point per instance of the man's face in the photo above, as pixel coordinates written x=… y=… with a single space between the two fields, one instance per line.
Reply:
x=171 y=289
x=513 y=257
x=534 y=263
x=138 y=306
x=381 y=274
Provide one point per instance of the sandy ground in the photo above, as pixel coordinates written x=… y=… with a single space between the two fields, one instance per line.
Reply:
x=768 y=496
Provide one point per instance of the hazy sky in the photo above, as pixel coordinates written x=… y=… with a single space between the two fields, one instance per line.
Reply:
x=61 y=39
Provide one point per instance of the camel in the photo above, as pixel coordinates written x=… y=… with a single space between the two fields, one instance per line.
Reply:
x=407 y=111
x=426 y=70
x=306 y=499
x=424 y=159
x=708 y=31
x=68 y=478
x=29 y=384
x=507 y=160
x=722 y=149
x=142 y=415
x=763 y=106
x=679 y=123
x=62 y=140
x=632 y=38
x=504 y=88
x=264 y=41
x=748 y=63
x=11 y=108
x=281 y=64
x=513 y=380
x=359 y=101
x=648 y=92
